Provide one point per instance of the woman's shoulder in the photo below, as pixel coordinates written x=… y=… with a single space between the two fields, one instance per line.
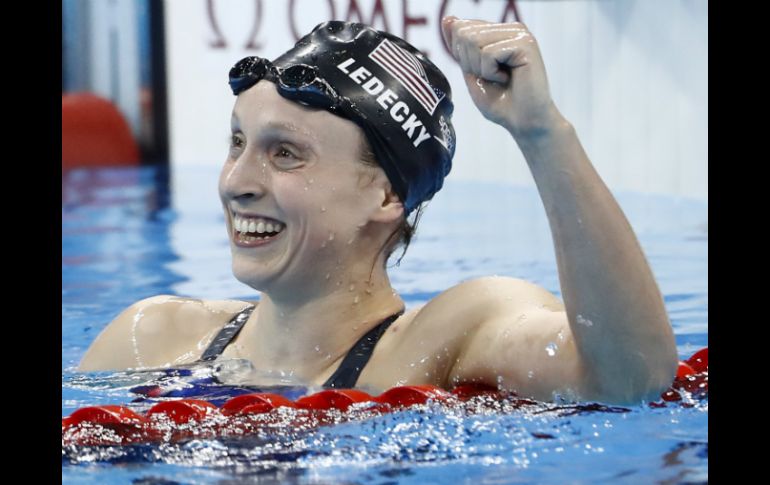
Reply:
x=456 y=313
x=459 y=309
x=426 y=343
x=484 y=297
x=160 y=330
x=180 y=316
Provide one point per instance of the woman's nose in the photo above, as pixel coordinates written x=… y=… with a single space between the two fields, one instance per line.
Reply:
x=243 y=180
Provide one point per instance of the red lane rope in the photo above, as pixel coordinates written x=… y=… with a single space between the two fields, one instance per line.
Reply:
x=692 y=378
x=187 y=418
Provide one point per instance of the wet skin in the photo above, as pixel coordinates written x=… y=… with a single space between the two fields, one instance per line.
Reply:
x=610 y=340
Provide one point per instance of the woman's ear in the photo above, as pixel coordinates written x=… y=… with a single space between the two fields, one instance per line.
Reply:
x=391 y=208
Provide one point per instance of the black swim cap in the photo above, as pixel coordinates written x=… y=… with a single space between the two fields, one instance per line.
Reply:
x=395 y=94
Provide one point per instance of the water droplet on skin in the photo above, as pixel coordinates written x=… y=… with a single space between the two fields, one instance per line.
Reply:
x=331 y=236
x=323 y=209
x=351 y=287
x=368 y=291
x=480 y=84
x=310 y=181
x=560 y=335
x=339 y=283
x=323 y=244
x=531 y=374
x=422 y=361
x=551 y=349
x=306 y=187
x=355 y=300
x=584 y=321
x=351 y=240
x=328 y=276
x=317 y=348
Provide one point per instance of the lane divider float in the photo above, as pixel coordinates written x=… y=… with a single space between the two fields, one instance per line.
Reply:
x=171 y=421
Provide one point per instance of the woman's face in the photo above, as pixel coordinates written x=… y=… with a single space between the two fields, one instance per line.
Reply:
x=296 y=196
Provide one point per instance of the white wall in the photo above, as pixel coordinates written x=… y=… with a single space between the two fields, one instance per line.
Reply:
x=632 y=76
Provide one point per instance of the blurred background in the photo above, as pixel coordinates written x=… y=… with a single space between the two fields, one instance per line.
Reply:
x=632 y=76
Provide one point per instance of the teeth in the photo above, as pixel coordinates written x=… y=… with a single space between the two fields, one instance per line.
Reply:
x=257 y=225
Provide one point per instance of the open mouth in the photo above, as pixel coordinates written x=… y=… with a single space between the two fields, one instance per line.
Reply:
x=255 y=230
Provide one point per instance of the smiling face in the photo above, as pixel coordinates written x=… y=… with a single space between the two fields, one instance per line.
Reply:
x=299 y=203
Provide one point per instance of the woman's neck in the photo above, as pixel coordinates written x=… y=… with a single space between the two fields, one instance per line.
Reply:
x=307 y=337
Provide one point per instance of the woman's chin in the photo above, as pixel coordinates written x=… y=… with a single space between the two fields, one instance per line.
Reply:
x=255 y=276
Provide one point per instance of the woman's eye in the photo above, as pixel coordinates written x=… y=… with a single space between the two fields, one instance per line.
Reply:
x=284 y=153
x=287 y=158
x=236 y=145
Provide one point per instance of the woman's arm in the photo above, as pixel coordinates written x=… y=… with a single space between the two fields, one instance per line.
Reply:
x=624 y=344
x=159 y=331
x=117 y=347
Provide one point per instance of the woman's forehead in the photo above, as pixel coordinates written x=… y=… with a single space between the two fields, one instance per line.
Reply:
x=261 y=107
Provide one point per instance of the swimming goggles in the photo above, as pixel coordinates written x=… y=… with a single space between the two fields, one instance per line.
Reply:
x=298 y=82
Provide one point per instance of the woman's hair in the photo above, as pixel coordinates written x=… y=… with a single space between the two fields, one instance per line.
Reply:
x=404 y=233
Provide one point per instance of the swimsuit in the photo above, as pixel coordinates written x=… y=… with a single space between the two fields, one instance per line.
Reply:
x=345 y=377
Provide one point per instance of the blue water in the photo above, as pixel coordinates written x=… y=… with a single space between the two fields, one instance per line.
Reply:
x=127 y=236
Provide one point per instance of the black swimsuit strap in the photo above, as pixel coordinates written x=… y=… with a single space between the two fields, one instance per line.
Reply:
x=346 y=376
x=226 y=334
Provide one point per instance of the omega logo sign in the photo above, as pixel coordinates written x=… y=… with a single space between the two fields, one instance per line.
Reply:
x=379 y=15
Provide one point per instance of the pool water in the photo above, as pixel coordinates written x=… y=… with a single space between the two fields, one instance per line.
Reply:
x=133 y=233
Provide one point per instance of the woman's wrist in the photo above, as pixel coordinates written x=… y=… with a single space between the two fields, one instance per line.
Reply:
x=534 y=131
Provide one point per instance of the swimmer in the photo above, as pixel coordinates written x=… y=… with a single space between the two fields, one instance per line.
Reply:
x=336 y=146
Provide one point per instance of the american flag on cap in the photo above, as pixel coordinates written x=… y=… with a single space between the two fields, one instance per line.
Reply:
x=405 y=67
